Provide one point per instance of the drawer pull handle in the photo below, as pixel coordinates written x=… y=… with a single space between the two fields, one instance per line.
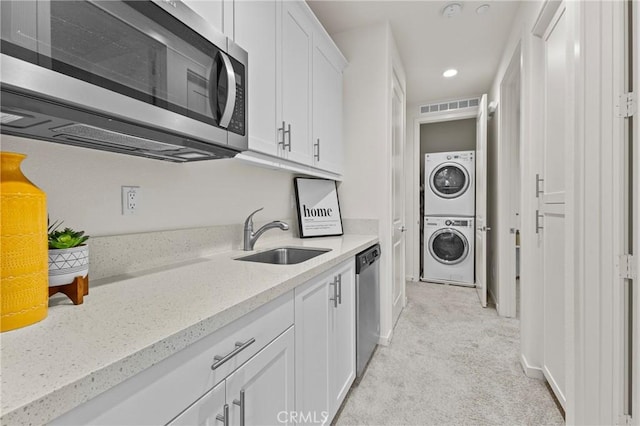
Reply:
x=339 y=279
x=239 y=348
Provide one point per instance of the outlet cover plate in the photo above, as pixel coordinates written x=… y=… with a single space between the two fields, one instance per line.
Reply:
x=130 y=199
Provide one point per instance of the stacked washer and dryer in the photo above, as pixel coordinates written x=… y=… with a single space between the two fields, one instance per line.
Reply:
x=449 y=209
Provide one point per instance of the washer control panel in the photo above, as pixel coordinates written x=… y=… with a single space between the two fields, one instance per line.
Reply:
x=457 y=222
x=451 y=222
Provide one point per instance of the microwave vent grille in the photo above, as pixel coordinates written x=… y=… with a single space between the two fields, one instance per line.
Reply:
x=6 y=118
x=114 y=138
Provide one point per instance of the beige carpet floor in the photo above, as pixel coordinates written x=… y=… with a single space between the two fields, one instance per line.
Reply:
x=450 y=362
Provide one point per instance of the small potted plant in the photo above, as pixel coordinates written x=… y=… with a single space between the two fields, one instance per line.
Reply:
x=68 y=255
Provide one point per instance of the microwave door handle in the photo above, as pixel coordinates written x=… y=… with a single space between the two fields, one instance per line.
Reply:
x=230 y=103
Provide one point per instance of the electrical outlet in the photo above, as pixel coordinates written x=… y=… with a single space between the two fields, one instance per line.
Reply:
x=130 y=199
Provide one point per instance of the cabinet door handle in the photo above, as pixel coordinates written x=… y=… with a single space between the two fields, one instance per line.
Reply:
x=317 y=154
x=334 y=299
x=286 y=132
x=240 y=403
x=538 y=217
x=224 y=417
x=239 y=348
x=539 y=189
x=339 y=280
x=281 y=131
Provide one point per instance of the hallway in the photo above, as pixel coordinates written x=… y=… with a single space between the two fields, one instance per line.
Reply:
x=450 y=362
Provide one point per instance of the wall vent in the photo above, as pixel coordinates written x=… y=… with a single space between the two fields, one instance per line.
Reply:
x=449 y=105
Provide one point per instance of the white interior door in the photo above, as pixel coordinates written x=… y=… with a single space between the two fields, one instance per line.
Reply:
x=481 y=202
x=551 y=200
x=398 y=210
x=634 y=236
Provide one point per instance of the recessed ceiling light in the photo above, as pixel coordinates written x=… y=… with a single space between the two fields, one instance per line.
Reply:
x=483 y=9
x=451 y=10
x=450 y=73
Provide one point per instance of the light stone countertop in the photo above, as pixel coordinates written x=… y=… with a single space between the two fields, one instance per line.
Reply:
x=131 y=322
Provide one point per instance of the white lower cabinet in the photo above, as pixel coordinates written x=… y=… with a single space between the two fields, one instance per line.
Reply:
x=207 y=410
x=342 y=337
x=261 y=392
x=290 y=361
x=162 y=392
x=325 y=343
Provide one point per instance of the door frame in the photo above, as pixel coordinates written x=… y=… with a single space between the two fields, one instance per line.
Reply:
x=413 y=216
x=510 y=129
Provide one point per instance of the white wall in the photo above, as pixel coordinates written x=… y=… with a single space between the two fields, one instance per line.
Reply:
x=364 y=115
x=83 y=189
x=366 y=190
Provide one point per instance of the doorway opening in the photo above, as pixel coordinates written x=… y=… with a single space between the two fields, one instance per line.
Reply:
x=443 y=137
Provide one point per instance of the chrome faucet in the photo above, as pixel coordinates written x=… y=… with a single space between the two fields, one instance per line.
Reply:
x=251 y=237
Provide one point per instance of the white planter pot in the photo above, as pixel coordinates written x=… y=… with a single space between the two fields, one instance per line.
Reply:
x=66 y=264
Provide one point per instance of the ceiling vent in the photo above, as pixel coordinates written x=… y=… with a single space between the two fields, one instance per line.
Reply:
x=449 y=105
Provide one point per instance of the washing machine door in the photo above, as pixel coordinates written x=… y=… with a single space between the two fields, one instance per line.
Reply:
x=448 y=246
x=449 y=180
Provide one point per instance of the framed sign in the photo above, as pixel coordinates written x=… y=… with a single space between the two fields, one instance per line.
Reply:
x=318 y=207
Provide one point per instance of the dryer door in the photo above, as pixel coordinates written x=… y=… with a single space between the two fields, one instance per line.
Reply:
x=449 y=180
x=448 y=246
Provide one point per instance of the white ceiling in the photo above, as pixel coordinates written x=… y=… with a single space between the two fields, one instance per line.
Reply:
x=430 y=43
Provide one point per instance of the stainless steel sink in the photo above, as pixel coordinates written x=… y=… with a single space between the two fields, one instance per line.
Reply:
x=284 y=255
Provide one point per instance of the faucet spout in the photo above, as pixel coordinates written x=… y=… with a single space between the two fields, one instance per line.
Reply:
x=251 y=237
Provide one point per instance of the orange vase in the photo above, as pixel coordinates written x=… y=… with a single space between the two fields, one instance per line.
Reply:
x=24 y=288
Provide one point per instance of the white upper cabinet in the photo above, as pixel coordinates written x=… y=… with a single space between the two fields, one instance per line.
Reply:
x=297 y=41
x=327 y=104
x=218 y=13
x=257 y=30
x=295 y=86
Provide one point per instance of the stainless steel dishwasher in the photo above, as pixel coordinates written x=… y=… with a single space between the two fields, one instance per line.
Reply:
x=367 y=306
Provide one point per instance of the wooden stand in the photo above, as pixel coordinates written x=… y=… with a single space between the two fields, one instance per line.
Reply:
x=74 y=291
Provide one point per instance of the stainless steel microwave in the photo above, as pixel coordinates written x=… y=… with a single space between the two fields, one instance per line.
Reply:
x=145 y=78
